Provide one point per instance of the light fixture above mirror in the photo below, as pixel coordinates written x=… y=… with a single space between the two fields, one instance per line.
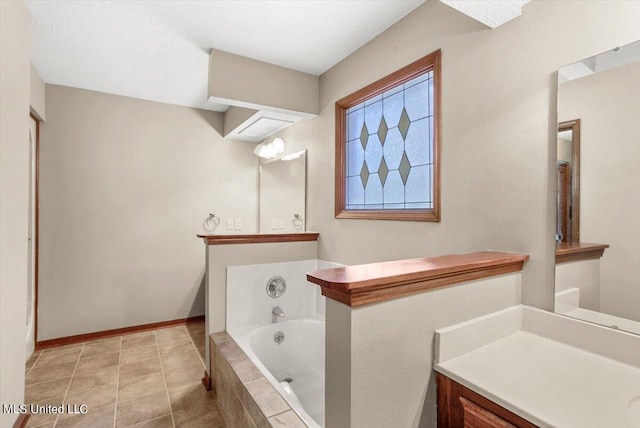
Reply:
x=270 y=148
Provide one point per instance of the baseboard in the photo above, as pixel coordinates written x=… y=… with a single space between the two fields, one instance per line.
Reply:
x=22 y=420
x=79 y=338
x=206 y=381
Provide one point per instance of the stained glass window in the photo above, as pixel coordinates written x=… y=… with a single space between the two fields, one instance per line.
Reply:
x=389 y=148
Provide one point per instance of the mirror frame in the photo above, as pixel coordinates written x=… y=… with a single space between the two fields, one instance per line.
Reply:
x=574 y=127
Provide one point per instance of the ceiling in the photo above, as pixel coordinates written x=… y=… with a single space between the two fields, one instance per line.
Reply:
x=158 y=50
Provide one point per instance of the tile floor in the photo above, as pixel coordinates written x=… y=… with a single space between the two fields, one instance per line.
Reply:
x=148 y=379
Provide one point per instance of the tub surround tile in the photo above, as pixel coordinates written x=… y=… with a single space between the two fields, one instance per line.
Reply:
x=246 y=371
x=55 y=371
x=266 y=397
x=231 y=351
x=288 y=419
x=245 y=397
x=220 y=337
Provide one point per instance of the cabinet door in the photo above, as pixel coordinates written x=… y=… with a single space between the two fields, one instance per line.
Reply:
x=479 y=417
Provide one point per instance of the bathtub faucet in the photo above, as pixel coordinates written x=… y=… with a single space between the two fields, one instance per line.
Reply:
x=276 y=313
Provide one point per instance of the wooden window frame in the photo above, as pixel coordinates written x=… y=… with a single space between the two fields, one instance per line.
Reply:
x=431 y=62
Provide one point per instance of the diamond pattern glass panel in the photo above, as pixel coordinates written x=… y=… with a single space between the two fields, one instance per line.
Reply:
x=383 y=171
x=364 y=175
x=390 y=148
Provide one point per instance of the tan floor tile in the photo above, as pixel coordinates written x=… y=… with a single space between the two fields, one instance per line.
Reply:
x=55 y=356
x=210 y=419
x=41 y=391
x=190 y=402
x=31 y=361
x=184 y=376
x=201 y=352
x=56 y=371
x=100 y=347
x=100 y=377
x=139 y=386
x=94 y=398
x=95 y=418
x=142 y=409
x=93 y=363
x=145 y=338
x=180 y=356
x=37 y=419
x=140 y=368
x=161 y=422
x=172 y=337
x=137 y=353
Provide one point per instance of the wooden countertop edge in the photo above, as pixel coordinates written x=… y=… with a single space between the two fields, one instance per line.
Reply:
x=577 y=251
x=259 y=238
x=375 y=282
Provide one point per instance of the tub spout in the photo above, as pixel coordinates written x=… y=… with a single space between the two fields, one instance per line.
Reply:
x=276 y=313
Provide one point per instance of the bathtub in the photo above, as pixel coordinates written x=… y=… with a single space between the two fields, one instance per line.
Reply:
x=295 y=367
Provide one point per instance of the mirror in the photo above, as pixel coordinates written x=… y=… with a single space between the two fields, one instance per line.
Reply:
x=283 y=194
x=598 y=161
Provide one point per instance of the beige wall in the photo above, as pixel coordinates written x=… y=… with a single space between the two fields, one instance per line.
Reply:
x=125 y=187
x=608 y=104
x=499 y=137
x=498 y=132
x=388 y=380
x=37 y=88
x=249 y=83
x=14 y=200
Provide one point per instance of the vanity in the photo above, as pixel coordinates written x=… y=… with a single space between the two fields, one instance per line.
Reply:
x=526 y=367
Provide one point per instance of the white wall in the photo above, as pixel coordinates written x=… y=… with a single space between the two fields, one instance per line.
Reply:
x=125 y=185
x=583 y=275
x=248 y=303
x=14 y=200
x=498 y=132
x=608 y=104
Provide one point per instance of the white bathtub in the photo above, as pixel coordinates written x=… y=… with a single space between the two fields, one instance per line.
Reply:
x=299 y=357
